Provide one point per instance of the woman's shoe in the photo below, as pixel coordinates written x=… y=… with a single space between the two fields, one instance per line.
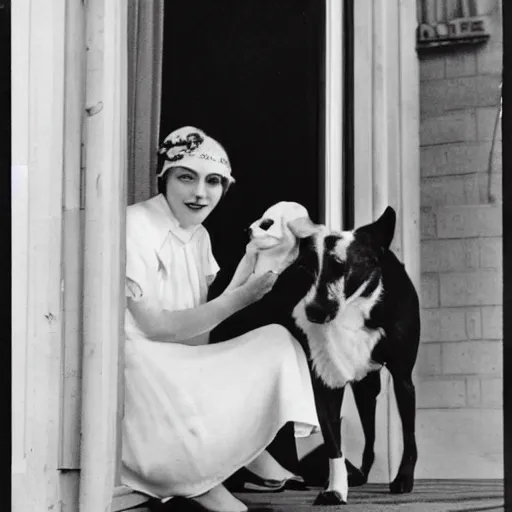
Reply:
x=178 y=504
x=247 y=481
x=295 y=483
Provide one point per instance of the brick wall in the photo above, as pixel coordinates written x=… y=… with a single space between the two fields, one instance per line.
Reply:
x=459 y=369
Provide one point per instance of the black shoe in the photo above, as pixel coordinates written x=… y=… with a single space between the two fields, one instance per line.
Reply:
x=246 y=481
x=178 y=504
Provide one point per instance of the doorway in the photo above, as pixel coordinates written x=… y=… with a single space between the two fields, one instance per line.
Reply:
x=252 y=75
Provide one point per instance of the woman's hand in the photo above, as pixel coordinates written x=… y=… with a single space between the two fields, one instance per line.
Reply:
x=255 y=288
x=244 y=270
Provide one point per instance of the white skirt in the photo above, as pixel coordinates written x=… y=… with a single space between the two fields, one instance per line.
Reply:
x=196 y=414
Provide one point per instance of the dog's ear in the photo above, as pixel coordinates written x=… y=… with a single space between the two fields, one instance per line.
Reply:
x=381 y=231
x=303 y=227
x=356 y=277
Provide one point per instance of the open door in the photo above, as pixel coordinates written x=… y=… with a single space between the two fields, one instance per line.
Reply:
x=251 y=75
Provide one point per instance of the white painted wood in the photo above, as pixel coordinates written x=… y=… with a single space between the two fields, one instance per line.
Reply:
x=41 y=133
x=387 y=148
x=381 y=138
x=19 y=292
x=410 y=141
x=409 y=175
x=105 y=185
x=363 y=112
x=370 y=184
x=69 y=454
x=69 y=484
x=334 y=114
x=392 y=123
x=19 y=224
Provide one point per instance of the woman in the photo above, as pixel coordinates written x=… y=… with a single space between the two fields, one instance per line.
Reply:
x=196 y=412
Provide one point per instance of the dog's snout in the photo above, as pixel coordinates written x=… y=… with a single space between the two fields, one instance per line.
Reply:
x=266 y=224
x=318 y=313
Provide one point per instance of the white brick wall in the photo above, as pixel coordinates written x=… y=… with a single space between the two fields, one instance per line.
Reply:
x=458 y=126
x=441 y=96
x=492 y=322
x=461 y=63
x=453 y=159
x=459 y=367
x=450 y=255
x=472 y=357
x=481 y=287
x=465 y=221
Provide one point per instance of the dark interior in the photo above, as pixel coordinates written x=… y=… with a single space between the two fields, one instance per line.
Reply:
x=251 y=74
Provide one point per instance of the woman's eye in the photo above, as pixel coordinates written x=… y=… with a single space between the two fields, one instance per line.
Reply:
x=185 y=177
x=214 y=181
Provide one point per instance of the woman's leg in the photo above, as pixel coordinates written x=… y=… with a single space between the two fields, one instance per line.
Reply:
x=267 y=467
x=219 y=499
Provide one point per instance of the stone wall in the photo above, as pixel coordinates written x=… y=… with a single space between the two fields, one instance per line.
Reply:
x=459 y=368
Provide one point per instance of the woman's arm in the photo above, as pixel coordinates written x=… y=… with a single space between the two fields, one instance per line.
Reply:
x=180 y=326
x=244 y=270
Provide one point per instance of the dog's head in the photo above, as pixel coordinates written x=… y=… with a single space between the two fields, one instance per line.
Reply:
x=345 y=265
x=272 y=237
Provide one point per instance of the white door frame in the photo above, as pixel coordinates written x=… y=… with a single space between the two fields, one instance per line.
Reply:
x=105 y=188
x=334 y=64
x=106 y=127
x=386 y=152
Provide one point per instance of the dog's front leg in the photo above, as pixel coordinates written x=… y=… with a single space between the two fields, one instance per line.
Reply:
x=328 y=405
x=365 y=395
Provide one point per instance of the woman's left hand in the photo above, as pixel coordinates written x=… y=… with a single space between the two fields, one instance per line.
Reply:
x=244 y=269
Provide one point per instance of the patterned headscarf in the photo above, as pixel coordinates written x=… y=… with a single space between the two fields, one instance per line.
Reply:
x=192 y=148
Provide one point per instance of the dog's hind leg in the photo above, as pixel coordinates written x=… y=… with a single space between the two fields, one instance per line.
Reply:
x=365 y=396
x=406 y=402
x=328 y=404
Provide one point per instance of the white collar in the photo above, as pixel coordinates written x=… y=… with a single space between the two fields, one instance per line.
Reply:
x=164 y=221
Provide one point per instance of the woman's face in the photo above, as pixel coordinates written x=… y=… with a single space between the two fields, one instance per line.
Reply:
x=192 y=195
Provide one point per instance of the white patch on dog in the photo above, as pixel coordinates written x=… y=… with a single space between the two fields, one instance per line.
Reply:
x=338 y=477
x=342 y=245
x=276 y=247
x=341 y=349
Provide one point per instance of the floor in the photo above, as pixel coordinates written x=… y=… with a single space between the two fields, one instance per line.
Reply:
x=428 y=496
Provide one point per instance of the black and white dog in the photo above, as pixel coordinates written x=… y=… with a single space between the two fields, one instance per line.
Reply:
x=349 y=301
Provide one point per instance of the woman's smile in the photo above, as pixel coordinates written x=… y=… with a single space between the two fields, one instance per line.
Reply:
x=196 y=206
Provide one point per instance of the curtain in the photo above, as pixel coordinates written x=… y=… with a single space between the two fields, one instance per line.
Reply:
x=145 y=38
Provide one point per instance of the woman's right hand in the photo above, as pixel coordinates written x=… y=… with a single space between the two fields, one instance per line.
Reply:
x=255 y=288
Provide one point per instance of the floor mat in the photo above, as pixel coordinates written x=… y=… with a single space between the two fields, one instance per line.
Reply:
x=428 y=496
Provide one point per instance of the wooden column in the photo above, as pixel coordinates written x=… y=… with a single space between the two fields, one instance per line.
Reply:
x=105 y=202
x=334 y=114
x=387 y=155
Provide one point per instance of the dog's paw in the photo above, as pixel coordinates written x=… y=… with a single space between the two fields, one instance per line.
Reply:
x=329 y=498
x=403 y=483
x=356 y=478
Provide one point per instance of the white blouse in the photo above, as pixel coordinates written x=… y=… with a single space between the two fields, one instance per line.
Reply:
x=165 y=263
